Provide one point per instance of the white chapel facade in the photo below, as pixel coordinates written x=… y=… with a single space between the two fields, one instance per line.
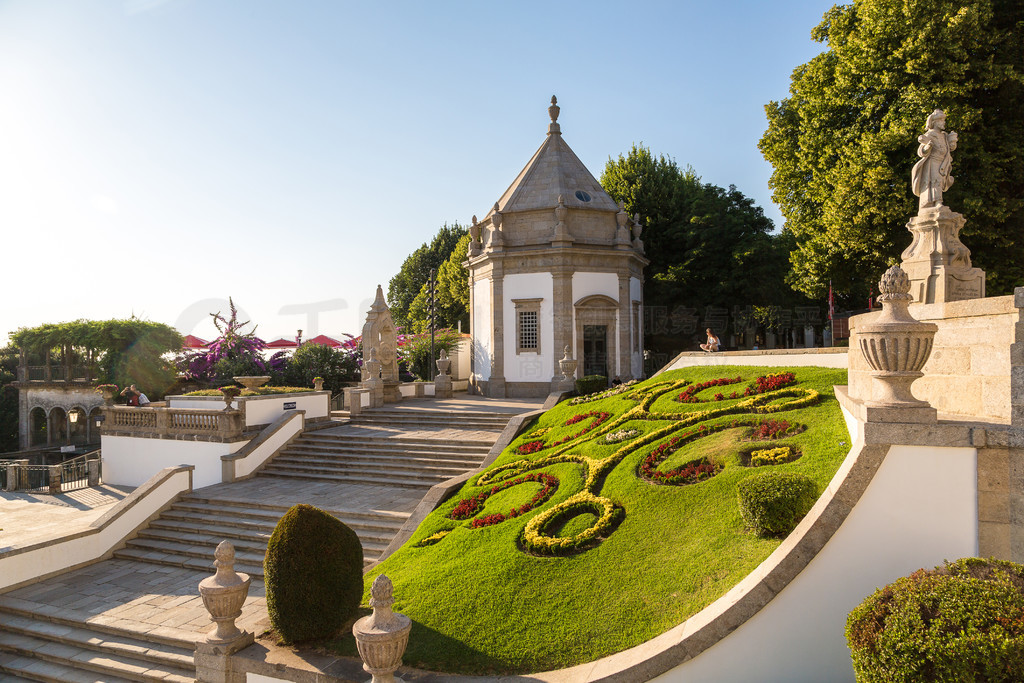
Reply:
x=556 y=263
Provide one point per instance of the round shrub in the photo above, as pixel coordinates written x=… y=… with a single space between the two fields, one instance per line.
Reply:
x=313 y=573
x=591 y=384
x=772 y=503
x=963 y=621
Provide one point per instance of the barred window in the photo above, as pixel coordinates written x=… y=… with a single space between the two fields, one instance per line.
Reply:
x=528 y=330
x=527 y=325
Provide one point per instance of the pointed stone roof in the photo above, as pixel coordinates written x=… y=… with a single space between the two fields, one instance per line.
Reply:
x=554 y=171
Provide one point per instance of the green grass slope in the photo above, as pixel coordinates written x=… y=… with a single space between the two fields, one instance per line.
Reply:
x=608 y=521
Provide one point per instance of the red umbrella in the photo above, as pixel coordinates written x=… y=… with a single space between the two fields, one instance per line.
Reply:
x=282 y=343
x=324 y=340
x=191 y=342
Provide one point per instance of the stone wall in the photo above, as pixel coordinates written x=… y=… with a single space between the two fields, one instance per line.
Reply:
x=976 y=369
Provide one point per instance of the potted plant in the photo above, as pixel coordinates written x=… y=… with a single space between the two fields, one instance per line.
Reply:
x=109 y=391
x=318 y=383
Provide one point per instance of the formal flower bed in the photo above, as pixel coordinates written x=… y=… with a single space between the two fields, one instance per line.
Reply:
x=771 y=456
x=689 y=396
x=530 y=447
x=538 y=538
x=614 y=391
x=469 y=507
x=620 y=435
x=690 y=473
x=770 y=429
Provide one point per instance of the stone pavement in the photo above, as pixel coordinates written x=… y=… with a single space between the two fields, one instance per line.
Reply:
x=31 y=517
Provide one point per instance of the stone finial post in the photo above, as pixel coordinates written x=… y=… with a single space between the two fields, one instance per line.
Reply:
x=223 y=595
x=896 y=347
x=474 y=238
x=567 y=366
x=443 y=363
x=383 y=636
x=443 y=380
x=622 y=232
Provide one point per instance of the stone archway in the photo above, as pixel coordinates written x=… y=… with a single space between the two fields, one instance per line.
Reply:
x=38 y=431
x=596 y=336
x=78 y=426
x=57 y=427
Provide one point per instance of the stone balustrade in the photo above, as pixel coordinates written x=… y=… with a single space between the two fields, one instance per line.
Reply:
x=173 y=423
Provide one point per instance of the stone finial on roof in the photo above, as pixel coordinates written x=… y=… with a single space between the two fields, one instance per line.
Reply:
x=553 y=110
x=378 y=301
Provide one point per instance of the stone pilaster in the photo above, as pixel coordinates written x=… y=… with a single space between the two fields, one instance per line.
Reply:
x=937 y=262
x=496 y=383
x=623 y=371
x=562 y=314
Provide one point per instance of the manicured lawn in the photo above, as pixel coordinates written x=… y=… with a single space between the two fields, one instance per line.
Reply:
x=563 y=572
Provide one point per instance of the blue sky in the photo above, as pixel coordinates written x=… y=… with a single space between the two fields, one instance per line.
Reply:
x=157 y=156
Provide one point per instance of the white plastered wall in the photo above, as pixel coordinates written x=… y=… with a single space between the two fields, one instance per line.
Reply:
x=130 y=461
x=529 y=367
x=482 y=347
x=919 y=510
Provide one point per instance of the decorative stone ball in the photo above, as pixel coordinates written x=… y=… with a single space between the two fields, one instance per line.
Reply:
x=894 y=281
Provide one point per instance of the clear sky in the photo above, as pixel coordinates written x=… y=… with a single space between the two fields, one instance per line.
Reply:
x=158 y=156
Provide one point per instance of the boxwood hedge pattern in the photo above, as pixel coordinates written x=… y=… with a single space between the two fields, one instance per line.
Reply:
x=767 y=394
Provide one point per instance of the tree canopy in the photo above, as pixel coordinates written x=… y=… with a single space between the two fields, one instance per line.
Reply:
x=844 y=141
x=452 y=293
x=708 y=246
x=415 y=271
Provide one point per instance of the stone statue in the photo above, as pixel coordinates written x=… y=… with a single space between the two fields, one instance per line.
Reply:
x=931 y=175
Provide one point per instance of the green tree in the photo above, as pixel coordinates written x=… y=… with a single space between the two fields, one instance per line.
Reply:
x=707 y=245
x=844 y=141
x=452 y=293
x=8 y=399
x=335 y=366
x=403 y=287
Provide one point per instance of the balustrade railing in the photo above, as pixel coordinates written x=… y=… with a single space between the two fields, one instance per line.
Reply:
x=76 y=473
x=57 y=373
x=172 y=422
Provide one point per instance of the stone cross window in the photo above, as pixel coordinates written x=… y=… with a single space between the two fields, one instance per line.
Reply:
x=527 y=325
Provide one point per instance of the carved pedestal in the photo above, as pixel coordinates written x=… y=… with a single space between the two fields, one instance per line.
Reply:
x=383 y=636
x=937 y=262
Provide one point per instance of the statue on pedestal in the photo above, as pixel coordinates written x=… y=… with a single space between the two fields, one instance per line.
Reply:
x=931 y=175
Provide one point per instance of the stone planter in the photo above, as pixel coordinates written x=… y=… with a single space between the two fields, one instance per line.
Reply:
x=108 y=396
x=382 y=636
x=223 y=595
x=318 y=384
x=443 y=363
x=252 y=382
x=230 y=394
x=896 y=347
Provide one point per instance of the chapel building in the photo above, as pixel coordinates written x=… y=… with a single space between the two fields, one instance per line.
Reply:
x=556 y=263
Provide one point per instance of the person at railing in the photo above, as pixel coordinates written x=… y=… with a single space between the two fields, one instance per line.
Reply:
x=135 y=397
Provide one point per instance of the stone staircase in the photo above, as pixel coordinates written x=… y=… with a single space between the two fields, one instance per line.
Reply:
x=63 y=649
x=369 y=471
x=187 y=533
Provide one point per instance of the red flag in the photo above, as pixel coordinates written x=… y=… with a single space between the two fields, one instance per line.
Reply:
x=831 y=303
x=871 y=298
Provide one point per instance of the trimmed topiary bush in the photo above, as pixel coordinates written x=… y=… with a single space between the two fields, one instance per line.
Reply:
x=773 y=503
x=591 y=384
x=313 y=574
x=963 y=621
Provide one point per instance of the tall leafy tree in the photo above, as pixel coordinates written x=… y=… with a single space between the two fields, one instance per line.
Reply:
x=452 y=293
x=844 y=141
x=8 y=399
x=707 y=245
x=403 y=287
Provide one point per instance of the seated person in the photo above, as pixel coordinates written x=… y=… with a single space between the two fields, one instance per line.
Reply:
x=712 y=344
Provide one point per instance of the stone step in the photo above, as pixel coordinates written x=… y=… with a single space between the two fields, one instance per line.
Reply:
x=200 y=565
x=87 y=638
x=467 y=444
x=212 y=535
x=14 y=667
x=434 y=420
x=213 y=527
x=110 y=665
x=350 y=477
x=377 y=474
x=417 y=466
x=450 y=450
x=438 y=413
x=242 y=513
x=419 y=458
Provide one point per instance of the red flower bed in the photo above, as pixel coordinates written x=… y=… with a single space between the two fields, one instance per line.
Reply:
x=529 y=447
x=689 y=396
x=763 y=385
x=468 y=507
x=770 y=429
x=691 y=473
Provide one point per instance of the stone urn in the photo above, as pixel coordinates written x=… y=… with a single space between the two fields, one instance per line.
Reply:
x=252 y=382
x=567 y=365
x=318 y=384
x=230 y=394
x=224 y=594
x=895 y=345
x=382 y=636
x=443 y=363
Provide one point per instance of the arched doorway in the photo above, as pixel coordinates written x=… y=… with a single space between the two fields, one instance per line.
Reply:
x=596 y=336
x=37 y=427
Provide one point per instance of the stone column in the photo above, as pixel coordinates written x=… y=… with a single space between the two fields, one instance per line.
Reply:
x=49 y=423
x=562 y=314
x=94 y=472
x=55 y=479
x=624 y=369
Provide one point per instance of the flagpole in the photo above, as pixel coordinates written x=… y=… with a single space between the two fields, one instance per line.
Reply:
x=831 y=313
